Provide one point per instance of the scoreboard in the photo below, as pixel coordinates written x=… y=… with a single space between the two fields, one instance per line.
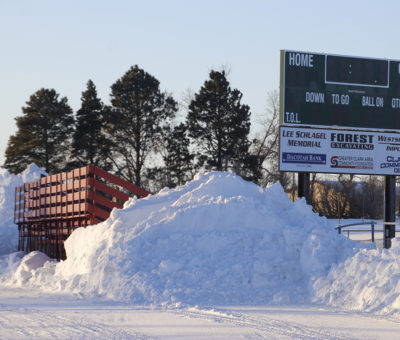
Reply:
x=333 y=91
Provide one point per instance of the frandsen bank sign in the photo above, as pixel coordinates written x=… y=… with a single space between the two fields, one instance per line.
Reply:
x=339 y=151
x=321 y=96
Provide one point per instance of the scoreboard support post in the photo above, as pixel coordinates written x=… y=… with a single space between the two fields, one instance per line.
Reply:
x=303 y=188
x=389 y=230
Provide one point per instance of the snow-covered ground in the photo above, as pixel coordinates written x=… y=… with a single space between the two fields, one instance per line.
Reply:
x=32 y=314
x=218 y=258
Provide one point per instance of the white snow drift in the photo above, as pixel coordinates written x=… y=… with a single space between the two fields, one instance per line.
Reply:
x=216 y=240
x=367 y=281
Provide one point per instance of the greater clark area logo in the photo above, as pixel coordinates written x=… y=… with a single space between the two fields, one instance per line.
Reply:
x=352 y=162
x=303 y=158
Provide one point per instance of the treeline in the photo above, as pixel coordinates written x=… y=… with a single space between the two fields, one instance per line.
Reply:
x=345 y=195
x=348 y=196
x=139 y=136
x=143 y=137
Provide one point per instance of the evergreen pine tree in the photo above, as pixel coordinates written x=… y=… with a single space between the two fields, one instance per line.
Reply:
x=139 y=113
x=177 y=157
x=219 y=125
x=90 y=144
x=43 y=134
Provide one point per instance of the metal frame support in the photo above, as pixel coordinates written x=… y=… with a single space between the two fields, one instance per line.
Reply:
x=303 y=188
x=389 y=230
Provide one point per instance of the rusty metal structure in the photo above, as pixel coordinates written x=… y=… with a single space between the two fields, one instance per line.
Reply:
x=49 y=209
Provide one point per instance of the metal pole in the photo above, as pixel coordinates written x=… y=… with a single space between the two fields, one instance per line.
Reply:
x=390 y=210
x=372 y=231
x=304 y=186
x=363 y=203
x=293 y=187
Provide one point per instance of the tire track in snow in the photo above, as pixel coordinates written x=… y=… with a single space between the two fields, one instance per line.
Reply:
x=266 y=327
x=26 y=323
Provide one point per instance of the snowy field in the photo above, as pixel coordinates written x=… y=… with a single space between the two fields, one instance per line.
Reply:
x=218 y=258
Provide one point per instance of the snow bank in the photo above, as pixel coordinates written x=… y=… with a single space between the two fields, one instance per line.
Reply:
x=8 y=182
x=28 y=266
x=368 y=281
x=216 y=240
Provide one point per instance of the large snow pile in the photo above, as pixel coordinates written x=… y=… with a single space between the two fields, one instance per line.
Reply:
x=216 y=240
x=368 y=281
x=8 y=182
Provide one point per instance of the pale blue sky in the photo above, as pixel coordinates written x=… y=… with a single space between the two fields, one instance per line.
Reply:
x=62 y=44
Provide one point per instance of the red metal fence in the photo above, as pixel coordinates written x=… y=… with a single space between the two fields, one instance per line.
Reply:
x=49 y=209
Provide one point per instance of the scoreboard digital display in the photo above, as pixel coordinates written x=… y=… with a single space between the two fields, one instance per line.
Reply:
x=339 y=91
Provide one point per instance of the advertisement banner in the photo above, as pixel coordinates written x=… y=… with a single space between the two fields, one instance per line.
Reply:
x=339 y=151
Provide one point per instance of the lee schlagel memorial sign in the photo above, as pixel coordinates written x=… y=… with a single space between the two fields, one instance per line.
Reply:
x=339 y=91
x=339 y=151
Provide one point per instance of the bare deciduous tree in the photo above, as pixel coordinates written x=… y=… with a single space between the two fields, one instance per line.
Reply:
x=265 y=146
